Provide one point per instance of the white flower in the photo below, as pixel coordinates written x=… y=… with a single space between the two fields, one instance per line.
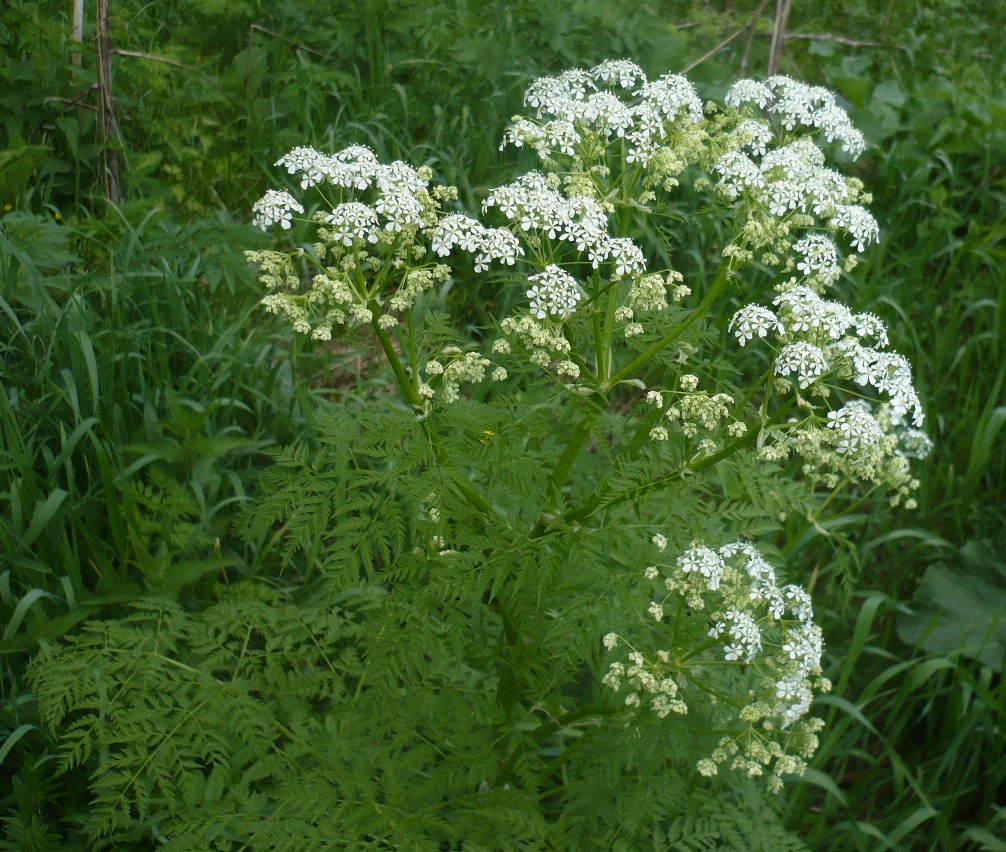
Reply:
x=738 y=173
x=703 y=561
x=861 y=226
x=353 y=221
x=819 y=258
x=753 y=135
x=749 y=91
x=275 y=206
x=744 y=634
x=857 y=432
x=621 y=71
x=555 y=292
x=754 y=321
x=804 y=359
x=456 y=230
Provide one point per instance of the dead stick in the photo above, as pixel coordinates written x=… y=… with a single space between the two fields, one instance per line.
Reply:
x=849 y=42
x=778 y=40
x=109 y=126
x=286 y=40
x=153 y=58
x=887 y=18
x=751 y=33
x=714 y=51
x=258 y=28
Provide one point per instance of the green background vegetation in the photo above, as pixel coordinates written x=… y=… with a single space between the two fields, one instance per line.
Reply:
x=142 y=388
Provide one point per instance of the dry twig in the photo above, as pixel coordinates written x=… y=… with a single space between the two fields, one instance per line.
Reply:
x=778 y=35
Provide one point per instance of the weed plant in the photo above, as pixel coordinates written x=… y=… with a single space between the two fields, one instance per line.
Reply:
x=140 y=390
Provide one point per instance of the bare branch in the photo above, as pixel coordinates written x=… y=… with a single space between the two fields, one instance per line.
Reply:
x=850 y=42
x=260 y=29
x=153 y=58
x=778 y=35
x=714 y=51
x=751 y=33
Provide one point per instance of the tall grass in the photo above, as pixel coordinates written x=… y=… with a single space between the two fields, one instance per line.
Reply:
x=913 y=754
x=137 y=394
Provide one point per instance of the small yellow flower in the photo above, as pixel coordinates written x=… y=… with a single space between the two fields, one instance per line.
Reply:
x=487 y=437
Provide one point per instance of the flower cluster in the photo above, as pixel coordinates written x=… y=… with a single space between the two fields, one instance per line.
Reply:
x=818 y=337
x=764 y=628
x=859 y=441
x=544 y=343
x=819 y=343
x=794 y=104
x=554 y=292
x=536 y=208
x=579 y=110
x=486 y=244
x=377 y=227
x=461 y=367
x=275 y=207
x=699 y=410
x=792 y=180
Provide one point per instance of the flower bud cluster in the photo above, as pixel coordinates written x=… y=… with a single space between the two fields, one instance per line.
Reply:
x=695 y=412
x=544 y=342
x=860 y=442
x=377 y=227
x=460 y=368
x=764 y=629
x=699 y=410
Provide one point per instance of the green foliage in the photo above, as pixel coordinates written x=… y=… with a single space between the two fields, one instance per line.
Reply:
x=134 y=396
x=961 y=609
x=279 y=720
x=139 y=397
x=914 y=740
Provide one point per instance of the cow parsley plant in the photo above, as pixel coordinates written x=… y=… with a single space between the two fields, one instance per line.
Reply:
x=646 y=371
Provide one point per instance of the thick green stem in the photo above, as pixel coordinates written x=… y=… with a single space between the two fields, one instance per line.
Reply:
x=715 y=291
x=401 y=377
x=603 y=497
x=607 y=329
x=476 y=500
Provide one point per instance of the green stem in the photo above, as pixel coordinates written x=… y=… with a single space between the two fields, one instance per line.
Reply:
x=694 y=652
x=715 y=291
x=608 y=328
x=404 y=383
x=411 y=334
x=475 y=499
x=579 y=438
x=546 y=729
x=601 y=496
x=598 y=344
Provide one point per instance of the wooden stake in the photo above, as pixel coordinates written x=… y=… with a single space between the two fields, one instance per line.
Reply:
x=109 y=126
x=78 y=30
